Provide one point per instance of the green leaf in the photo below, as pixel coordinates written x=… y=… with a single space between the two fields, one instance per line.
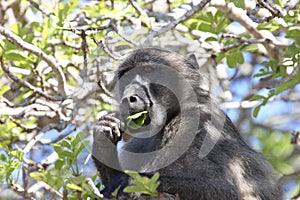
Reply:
x=262 y=73
x=294 y=33
x=3 y=157
x=47 y=32
x=79 y=150
x=239 y=3
x=137 y=115
x=135 y=188
x=292 y=51
x=136 y=120
x=220 y=57
x=3 y=88
x=74 y=187
x=14 y=56
x=286 y=85
x=154 y=178
x=239 y=57
x=209 y=39
x=251 y=48
x=59 y=164
x=231 y=61
x=67 y=154
x=271 y=26
x=274 y=65
x=17 y=29
x=206 y=28
x=66 y=143
x=65 y=9
x=234 y=59
x=143 y=184
x=57 y=148
x=218 y=16
x=133 y=174
x=206 y=18
x=279 y=2
x=256 y=110
x=222 y=25
x=37 y=175
x=257 y=97
x=193 y=25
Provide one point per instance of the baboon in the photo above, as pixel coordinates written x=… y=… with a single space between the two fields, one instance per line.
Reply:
x=194 y=146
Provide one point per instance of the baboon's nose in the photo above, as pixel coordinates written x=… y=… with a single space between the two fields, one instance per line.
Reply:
x=132 y=104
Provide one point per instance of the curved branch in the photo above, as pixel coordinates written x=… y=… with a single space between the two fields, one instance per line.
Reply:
x=16 y=40
x=29 y=86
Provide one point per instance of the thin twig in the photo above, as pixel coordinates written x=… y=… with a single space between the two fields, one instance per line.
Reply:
x=101 y=44
x=139 y=10
x=38 y=7
x=296 y=138
x=22 y=126
x=10 y=104
x=252 y=15
x=124 y=38
x=84 y=48
x=271 y=8
x=25 y=180
x=244 y=41
x=61 y=136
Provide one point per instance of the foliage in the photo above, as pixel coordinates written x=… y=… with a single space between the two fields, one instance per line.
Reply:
x=143 y=185
x=52 y=55
x=68 y=169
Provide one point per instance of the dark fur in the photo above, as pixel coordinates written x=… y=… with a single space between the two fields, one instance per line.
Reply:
x=231 y=170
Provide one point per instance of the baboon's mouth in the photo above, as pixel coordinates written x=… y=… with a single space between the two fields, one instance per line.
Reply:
x=137 y=120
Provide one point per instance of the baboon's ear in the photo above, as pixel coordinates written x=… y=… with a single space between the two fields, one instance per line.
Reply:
x=192 y=60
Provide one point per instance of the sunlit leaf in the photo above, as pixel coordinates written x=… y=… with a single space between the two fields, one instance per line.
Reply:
x=136 y=120
x=271 y=26
x=251 y=48
x=74 y=187
x=256 y=110
x=143 y=185
x=239 y=3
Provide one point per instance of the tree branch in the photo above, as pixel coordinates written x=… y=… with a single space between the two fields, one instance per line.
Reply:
x=36 y=138
x=42 y=185
x=29 y=86
x=239 y=15
x=95 y=190
x=16 y=40
x=174 y=23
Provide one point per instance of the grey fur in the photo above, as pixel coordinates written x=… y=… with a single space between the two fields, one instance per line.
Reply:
x=229 y=170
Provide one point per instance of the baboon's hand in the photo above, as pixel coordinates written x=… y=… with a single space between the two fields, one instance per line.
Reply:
x=108 y=127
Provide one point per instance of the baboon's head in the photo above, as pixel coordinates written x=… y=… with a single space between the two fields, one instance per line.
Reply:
x=148 y=83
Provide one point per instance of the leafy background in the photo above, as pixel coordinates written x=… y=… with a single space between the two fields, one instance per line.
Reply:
x=57 y=58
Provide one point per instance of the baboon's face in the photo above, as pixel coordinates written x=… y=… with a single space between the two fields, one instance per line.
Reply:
x=141 y=90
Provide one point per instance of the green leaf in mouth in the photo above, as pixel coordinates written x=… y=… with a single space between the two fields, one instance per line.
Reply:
x=136 y=120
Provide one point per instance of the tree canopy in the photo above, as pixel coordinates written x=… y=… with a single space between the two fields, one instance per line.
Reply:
x=57 y=60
